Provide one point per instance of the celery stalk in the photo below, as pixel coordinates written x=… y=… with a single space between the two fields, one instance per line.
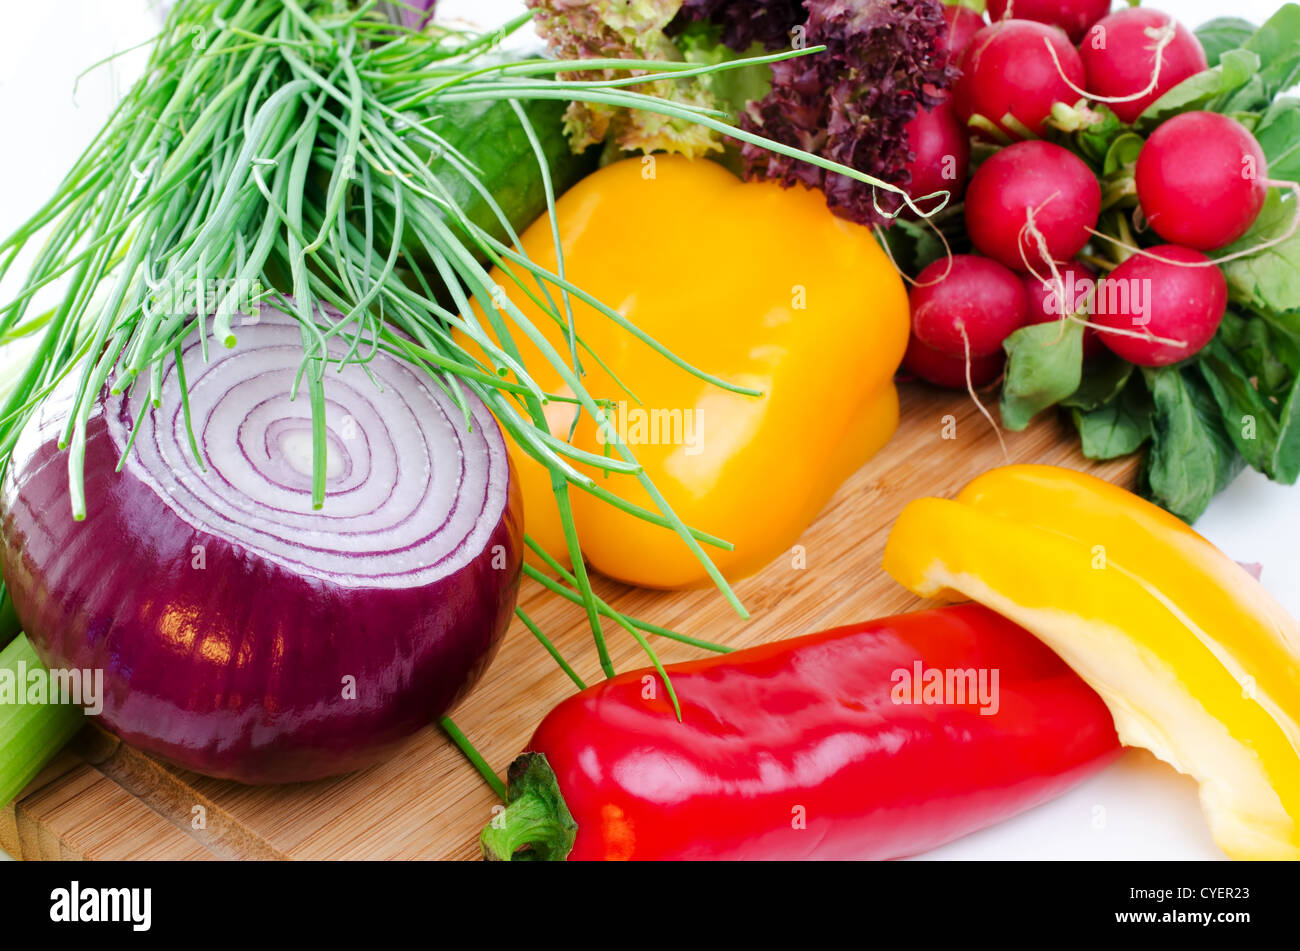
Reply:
x=30 y=734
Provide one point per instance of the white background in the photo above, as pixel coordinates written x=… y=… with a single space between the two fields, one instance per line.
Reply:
x=1138 y=809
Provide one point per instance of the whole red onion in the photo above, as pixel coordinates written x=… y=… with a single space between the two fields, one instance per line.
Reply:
x=242 y=633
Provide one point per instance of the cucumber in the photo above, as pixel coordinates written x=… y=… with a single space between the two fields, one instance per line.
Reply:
x=491 y=138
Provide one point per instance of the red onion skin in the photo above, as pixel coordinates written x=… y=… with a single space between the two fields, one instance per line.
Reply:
x=250 y=687
x=413 y=14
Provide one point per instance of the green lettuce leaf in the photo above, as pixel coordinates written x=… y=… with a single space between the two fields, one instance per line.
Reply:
x=1270 y=279
x=1045 y=365
x=624 y=29
x=1236 y=68
x=1119 y=427
x=1247 y=415
x=1192 y=457
x=1223 y=34
x=1104 y=378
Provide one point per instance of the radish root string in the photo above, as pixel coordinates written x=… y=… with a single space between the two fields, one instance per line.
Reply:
x=1163 y=37
x=970 y=388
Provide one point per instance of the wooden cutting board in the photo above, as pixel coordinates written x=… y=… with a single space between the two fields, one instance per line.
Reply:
x=103 y=800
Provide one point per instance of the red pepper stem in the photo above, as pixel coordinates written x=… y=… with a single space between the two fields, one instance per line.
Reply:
x=536 y=825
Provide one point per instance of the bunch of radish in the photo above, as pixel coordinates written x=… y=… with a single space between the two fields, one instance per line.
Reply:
x=1033 y=206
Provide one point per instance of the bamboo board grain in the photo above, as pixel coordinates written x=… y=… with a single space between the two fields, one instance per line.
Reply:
x=110 y=801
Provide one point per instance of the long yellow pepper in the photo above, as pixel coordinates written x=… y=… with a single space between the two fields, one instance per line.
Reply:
x=1195 y=660
x=758 y=285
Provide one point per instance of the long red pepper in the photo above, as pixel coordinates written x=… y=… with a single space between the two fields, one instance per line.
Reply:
x=845 y=744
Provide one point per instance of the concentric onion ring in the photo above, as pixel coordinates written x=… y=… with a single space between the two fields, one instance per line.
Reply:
x=243 y=634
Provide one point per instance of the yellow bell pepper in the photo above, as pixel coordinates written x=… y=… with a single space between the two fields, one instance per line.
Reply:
x=762 y=287
x=1197 y=663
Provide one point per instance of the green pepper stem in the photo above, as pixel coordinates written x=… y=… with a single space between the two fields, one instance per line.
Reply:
x=536 y=825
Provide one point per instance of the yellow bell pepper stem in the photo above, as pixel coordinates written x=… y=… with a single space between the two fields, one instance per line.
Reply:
x=1197 y=663
x=757 y=285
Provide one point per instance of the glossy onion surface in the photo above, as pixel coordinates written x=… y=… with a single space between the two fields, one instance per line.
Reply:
x=243 y=634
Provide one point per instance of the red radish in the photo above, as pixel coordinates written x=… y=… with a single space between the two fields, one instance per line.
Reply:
x=1201 y=180
x=1119 y=57
x=1072 y=16
x=963 y=24
x=941 y=153
x=1171 y=301
x=979 y=302
x=942 y=370
x=1049 y=301
x=1026 y=186
x=1008 y=69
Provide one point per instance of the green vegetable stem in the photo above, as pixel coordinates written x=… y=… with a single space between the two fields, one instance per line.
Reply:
x=31 y=734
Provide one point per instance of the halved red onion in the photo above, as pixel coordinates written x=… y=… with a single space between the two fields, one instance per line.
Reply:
x=243 y=634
